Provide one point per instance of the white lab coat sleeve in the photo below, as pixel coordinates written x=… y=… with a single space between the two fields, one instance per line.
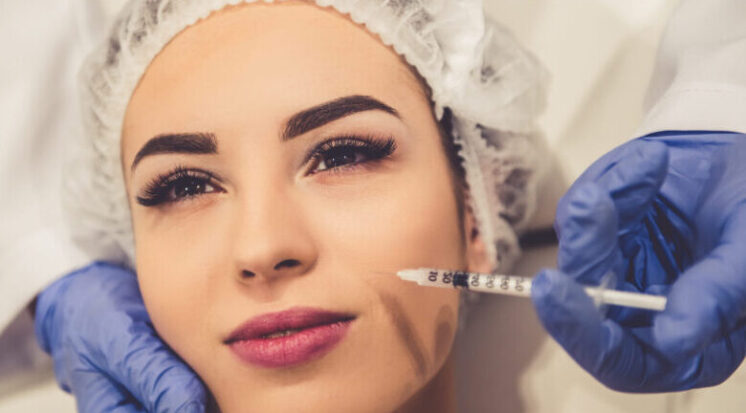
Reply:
x=699 y=82
x=43 y=44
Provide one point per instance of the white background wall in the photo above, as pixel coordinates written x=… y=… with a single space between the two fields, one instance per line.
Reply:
x=600 y=54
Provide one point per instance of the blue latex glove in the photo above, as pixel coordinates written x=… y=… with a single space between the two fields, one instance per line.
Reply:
x=94 y=324
x=667 y=214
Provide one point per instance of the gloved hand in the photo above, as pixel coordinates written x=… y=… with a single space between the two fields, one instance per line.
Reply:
x=94 y=324
x=666 y=214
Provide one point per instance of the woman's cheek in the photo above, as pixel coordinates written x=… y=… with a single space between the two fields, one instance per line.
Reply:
x=175 y=288
x=392 y=225
x=406 y=220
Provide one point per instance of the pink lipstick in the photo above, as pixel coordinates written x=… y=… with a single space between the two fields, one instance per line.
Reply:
x=290 y=337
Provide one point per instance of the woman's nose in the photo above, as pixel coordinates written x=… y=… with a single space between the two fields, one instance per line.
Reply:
x=272 y=242
x=293 y=266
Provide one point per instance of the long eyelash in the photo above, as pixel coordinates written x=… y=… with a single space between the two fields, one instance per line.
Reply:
x=375 y=148
x=156 y=191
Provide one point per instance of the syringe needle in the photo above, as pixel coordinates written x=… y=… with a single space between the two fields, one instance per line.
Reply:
x=521 y=286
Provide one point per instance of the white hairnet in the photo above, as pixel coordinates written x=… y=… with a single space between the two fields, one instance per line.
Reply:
x=492 y=86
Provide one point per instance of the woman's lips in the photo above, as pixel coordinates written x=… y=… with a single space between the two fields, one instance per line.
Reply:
x=289 y=337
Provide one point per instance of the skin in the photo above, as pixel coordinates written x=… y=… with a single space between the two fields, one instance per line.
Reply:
x=240 y=74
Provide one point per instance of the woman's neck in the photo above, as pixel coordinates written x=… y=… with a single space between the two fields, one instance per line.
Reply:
x=438 y=395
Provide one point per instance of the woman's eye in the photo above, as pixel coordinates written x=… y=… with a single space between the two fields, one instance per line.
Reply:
x=189 y=187
x=350 y=151
x=179 y=185
x=339 y=157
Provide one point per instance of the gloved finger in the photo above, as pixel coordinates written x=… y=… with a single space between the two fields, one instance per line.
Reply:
x=708 y=301
x=44 y=313
x=587 y=226
x=154 y=374
x=609 y=159
x=634 y=181
x=571 y=318
x=95 y=393
x=690 y=165
x=119 y=343
x=601 y=347
x=135 y=357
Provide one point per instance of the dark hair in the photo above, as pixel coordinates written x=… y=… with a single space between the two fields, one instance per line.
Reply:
x=452 y=149
x=445 y=128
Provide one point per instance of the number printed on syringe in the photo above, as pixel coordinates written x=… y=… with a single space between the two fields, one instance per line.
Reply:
x=508 y=284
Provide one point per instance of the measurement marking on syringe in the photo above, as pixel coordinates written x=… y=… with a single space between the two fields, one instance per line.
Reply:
x=515 y=285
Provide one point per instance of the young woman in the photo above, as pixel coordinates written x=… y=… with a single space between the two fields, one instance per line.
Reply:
x=280 y=163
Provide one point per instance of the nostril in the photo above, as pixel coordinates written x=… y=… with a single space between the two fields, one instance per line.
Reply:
x=287 y=263
x=247 y=274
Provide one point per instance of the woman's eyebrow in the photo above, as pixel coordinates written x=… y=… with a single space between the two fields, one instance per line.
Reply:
x=200 y=143
x=324 y=113
x=298 y=124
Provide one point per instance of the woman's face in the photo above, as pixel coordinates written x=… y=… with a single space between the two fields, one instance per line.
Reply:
x=281 y=165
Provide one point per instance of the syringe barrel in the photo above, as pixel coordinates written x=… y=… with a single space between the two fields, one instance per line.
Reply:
x=486 y=283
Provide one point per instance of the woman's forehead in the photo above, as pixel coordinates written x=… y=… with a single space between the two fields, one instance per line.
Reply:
x=277 y=44
x=249 y=59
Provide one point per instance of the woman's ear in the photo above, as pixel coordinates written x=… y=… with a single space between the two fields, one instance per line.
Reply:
x=476 y=251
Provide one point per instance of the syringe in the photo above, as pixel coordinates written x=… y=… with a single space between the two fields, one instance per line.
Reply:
x=521 y=286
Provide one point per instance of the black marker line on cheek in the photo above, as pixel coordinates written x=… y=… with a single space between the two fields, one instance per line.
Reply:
x=406 y=332
x=444 y=332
